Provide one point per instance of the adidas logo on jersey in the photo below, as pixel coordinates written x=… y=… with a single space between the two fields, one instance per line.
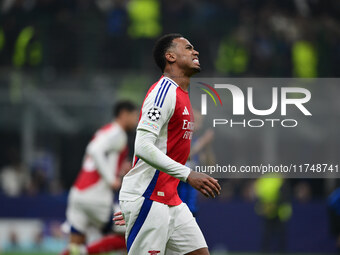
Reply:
x=185 y=112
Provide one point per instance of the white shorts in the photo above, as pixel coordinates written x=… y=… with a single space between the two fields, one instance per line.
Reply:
x=159 y=229
x=81 y=216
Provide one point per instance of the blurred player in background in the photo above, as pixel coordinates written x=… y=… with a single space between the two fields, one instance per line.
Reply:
x=274 y=207
x=157 y=221
x=91 y=198
x=333 y=205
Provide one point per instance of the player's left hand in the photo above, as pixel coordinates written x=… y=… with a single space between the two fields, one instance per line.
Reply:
x=118 y=219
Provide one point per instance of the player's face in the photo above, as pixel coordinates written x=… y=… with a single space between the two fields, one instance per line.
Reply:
x=186 y=56
x=132 y=119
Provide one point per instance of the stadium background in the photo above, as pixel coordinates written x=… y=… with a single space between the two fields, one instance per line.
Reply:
x=63 y=63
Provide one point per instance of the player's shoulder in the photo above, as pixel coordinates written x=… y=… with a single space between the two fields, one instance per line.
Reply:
x=106 y=128
x=162 y=91
x=110 y=129
x=112 y=132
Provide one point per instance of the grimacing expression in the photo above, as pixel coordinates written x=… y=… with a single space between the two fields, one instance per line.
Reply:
x=186 y=55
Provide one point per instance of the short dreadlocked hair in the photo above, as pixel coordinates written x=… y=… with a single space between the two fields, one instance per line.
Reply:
x=161 y=46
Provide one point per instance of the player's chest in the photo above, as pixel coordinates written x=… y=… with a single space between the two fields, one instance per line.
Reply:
x=182 y=120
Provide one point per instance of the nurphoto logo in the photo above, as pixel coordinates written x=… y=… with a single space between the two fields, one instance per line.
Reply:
x=288 y=97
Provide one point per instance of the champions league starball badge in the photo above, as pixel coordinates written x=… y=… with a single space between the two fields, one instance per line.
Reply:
x=154 y=114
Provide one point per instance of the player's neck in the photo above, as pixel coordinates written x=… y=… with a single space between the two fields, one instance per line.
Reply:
x=120 y=123
x=181 y=80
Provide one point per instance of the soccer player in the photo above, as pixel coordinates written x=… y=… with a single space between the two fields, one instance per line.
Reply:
x=91 y=198
x=157 y=222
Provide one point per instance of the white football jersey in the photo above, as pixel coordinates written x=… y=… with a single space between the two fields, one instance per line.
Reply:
x=102 y=161
x=167 y=113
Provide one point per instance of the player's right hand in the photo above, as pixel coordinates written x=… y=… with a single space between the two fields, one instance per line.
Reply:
x=118 y=219
x=207 y=185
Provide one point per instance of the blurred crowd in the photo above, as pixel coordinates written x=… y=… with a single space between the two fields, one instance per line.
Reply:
x=241 y=38
x=47 y=237
x=299 y=38
x=44 y=176
x=235 y=38
x=40 y=177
